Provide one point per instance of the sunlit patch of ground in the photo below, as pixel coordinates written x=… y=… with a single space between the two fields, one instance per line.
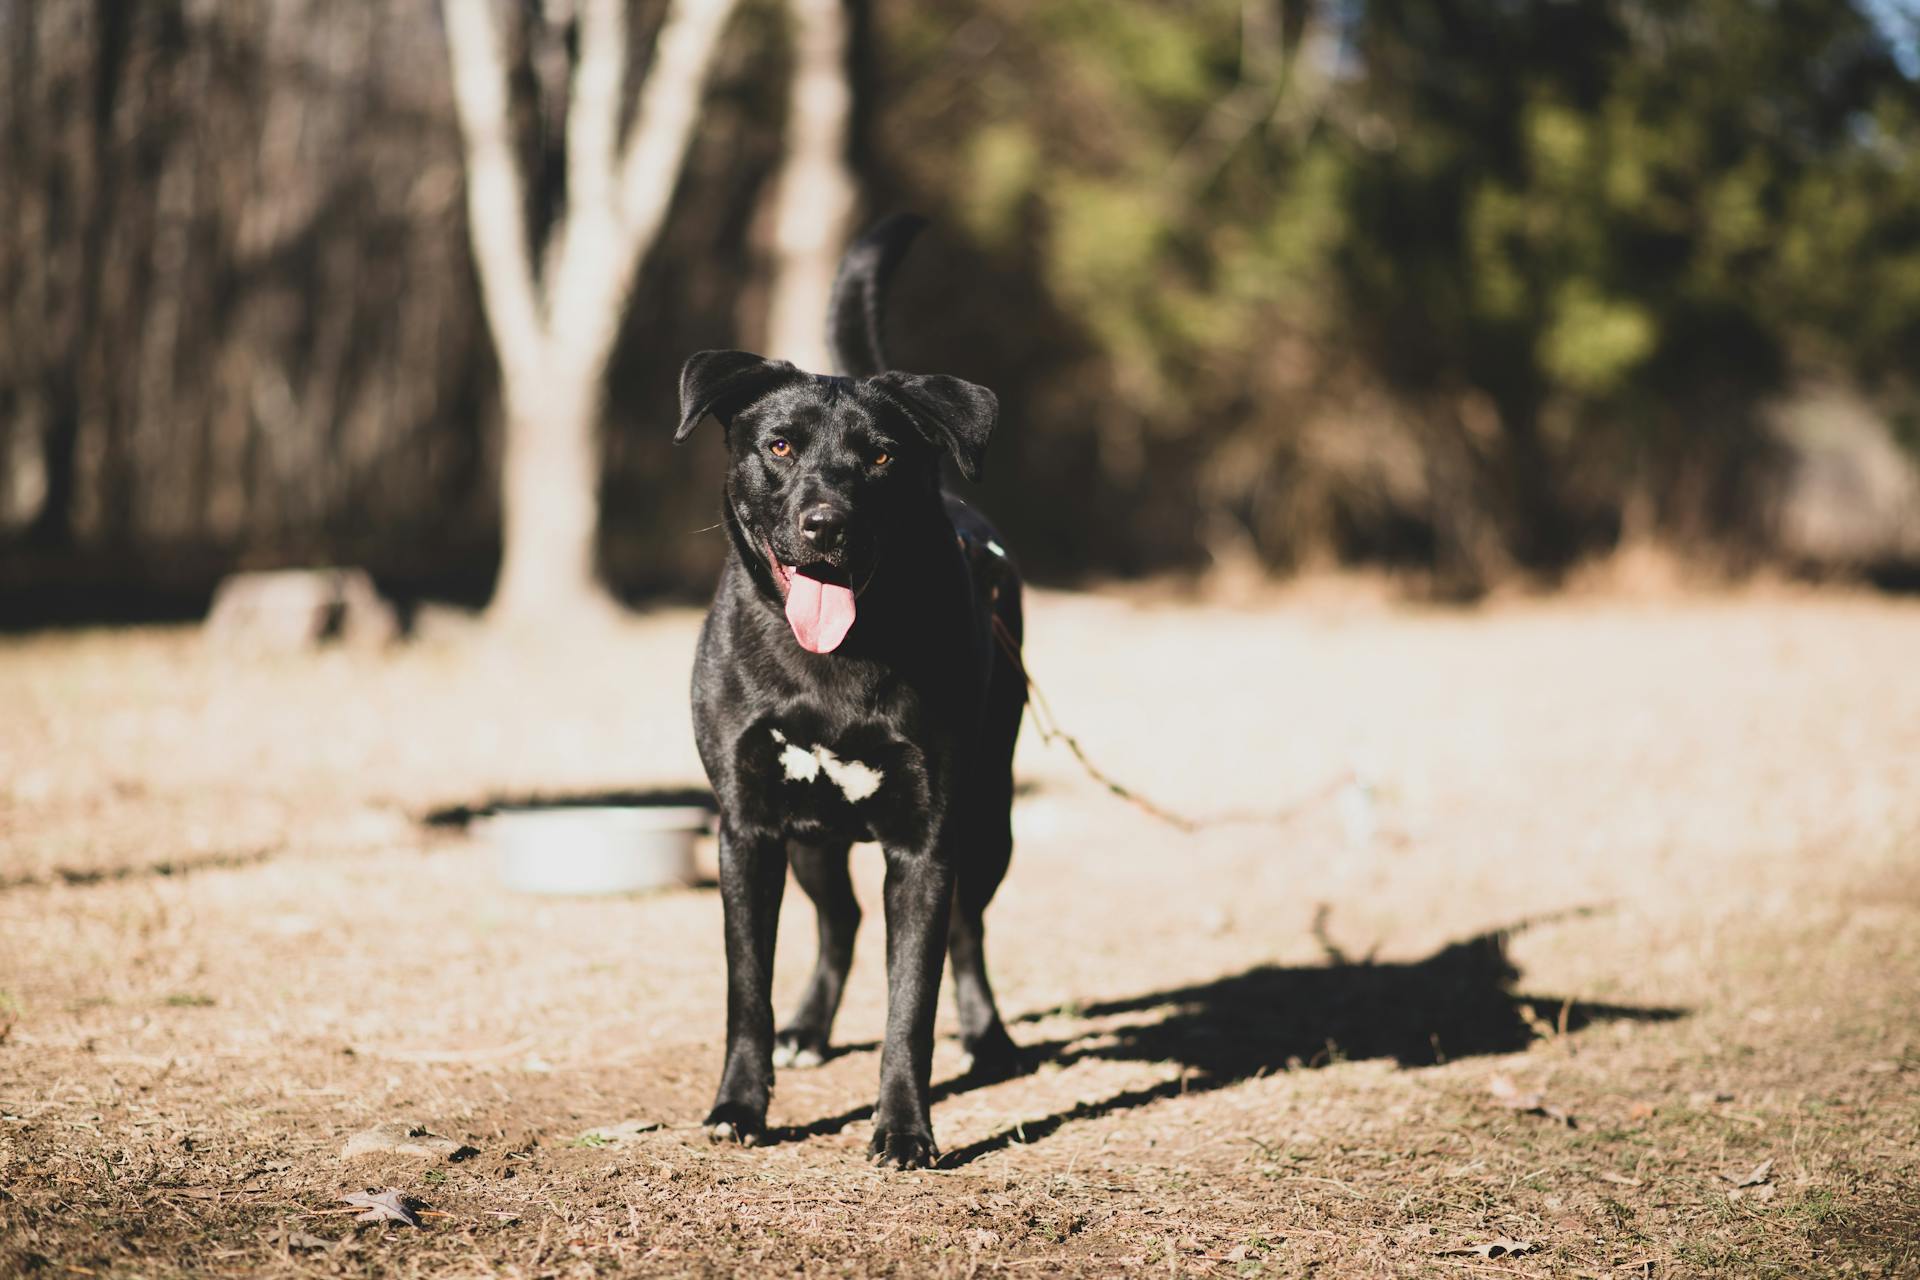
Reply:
x=1592 y=911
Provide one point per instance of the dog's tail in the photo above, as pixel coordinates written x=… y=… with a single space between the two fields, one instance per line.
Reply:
x=859 y=293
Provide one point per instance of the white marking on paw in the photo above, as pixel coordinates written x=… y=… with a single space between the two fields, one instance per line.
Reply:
x=856 y=781
x=722 y=1131
x=788 y=1054
x=996 y=548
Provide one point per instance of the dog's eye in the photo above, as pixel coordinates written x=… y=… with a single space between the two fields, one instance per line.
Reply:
x=780 y=447
x=880 y=458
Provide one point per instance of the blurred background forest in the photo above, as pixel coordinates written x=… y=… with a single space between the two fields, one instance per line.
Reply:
x=1473 y=290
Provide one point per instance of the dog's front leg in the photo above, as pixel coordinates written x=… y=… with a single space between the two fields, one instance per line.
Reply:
x=753 y=874
x=919 y=901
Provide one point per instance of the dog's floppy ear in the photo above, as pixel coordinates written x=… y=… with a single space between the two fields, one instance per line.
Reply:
x=723 y=383
x=952 y=414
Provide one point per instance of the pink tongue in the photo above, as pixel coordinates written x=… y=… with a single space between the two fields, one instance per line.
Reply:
x=820 y=613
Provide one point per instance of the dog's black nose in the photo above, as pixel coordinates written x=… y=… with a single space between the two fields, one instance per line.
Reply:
x=824 y=526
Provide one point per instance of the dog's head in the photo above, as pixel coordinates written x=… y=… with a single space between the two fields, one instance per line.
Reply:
x=824 y=471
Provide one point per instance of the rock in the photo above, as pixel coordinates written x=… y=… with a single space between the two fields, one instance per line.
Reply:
x=615 y=1135
x=404 y=1140
x=1848 y=495
x=293 y=610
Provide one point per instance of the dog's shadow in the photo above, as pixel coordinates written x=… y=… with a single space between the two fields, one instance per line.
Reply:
x=1459 y=1002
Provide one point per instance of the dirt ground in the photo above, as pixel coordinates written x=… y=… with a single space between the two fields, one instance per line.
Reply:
x=1586 y=913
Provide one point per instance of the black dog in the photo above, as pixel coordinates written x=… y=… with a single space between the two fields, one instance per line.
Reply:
x=857 y=679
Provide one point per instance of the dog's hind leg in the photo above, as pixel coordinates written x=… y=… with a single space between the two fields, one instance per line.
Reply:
x=987 y=849
x=822 y=872
x=990 y=1051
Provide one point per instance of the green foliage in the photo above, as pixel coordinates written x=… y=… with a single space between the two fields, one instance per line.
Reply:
x=1002 y=165
x=1592 y=343
x=1157 y=57
x=1108 y=236
x=1595 y=217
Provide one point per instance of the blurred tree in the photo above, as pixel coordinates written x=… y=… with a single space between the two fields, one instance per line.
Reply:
x=1463 y=287
x=1474 y=283
x=240 y=322
x=1621 y=247
x=814 y=192
x=555 y=308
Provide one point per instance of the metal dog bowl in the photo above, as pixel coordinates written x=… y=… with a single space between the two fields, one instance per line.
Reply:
x=593 y=849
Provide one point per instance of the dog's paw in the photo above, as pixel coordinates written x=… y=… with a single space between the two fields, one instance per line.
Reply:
x=797 y=1047
x=736 y=1122
x=902 y=1149
x=992 y=1056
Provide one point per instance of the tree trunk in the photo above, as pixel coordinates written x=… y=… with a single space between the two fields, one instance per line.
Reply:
x=550 y=499
x=815 y=190
x=555 y=331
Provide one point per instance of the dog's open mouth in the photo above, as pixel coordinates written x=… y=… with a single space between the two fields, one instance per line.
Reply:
x=819 y=603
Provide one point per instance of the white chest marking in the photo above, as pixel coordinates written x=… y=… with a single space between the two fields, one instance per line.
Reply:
x=856 y=781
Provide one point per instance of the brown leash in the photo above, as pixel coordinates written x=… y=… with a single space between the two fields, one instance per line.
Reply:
x=1050 y=732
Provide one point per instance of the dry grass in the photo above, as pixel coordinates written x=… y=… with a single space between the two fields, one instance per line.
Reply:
x=1656 y=864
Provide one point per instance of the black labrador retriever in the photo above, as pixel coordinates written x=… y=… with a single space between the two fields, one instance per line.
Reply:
x=857 y=678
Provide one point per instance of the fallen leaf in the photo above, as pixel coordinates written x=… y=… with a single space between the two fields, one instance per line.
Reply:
x=615 y=1135
x=1640 y=1111
x=404 y=1140
x=1620 y=1179
x=1507 y=1094
x=390 y=1205
x=302 y=1240
x=1763 y=1192
x=1754 y=1178
x=1504 y=1247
